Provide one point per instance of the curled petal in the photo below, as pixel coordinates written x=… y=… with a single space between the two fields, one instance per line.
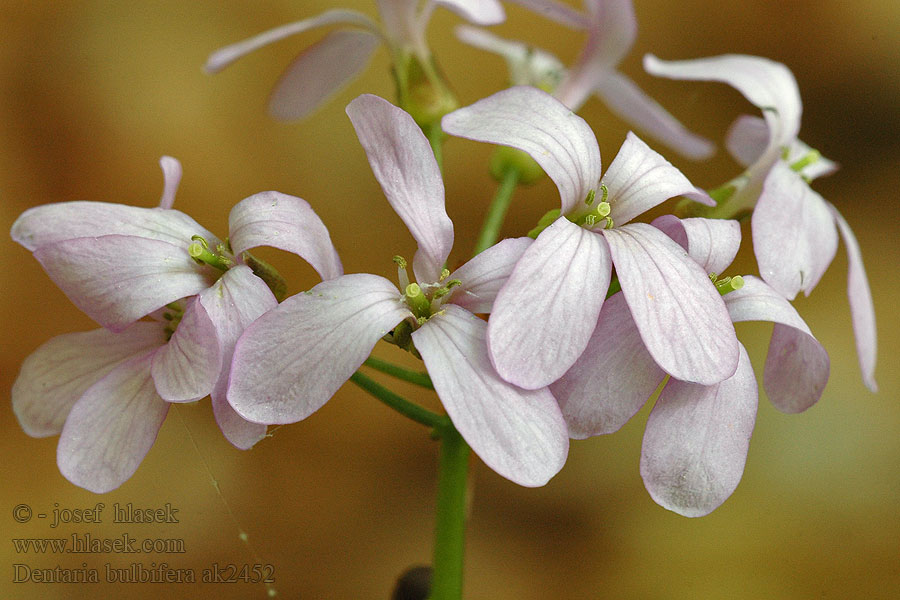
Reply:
x=290 y=361
x=285 y=222
x=696 y=442
x=320 y=71
x=480 y=12
x=187 y=368
x=613 y=377
x=768 y=85
x=53 y=223
x=632 y=105
x=556 y=11
x=57 y=374
x=712 y=243
x=794 y=237
x=681 y=316
x=171 y=169
x=112 y=427
x=484 y=275
x=404 y=165
x=527 y=65
x=518 y=433
x=117 y=279
x=237 y=299
x=639 y=178
x=747 y=139
x=797 y=365
x=223 y=57
x=543 y=317
x=534 y=122
x=862 y=312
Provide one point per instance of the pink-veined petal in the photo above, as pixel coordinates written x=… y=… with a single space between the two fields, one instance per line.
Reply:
x=480 y=12
x=237 y=299
x=117 y=279
x=556 y=11
x=223 y=57
x=613 y=377
x=57 y=374
x=797 y=366
x=320 y=71
x=484 y=275
x=862 y=311
x=639 y=178
x=518 y=433
x=632 y=105
x=768 y=85
x=404 y=165
x=187 y=368
x=533 y=121
x=285 y=222
x=112 y=427
x=696 y=441
x=172 y=172
x=543 y=317
x=682 y=318
x=53 y=223
x=712 y=243
x=290 y=361
x=794 y=236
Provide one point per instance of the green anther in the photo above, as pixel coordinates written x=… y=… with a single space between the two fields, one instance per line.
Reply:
x=401 y=262
x=713 y=277
x=806 y=160
x=441 y=292
x=445 y=273
x=604 y=191
x=417 y=301
x=785 y=153
x=544 y=223
x=589 y=220
x=203 y=255
x=201 y=239
x=590 y=197
x=729 y=284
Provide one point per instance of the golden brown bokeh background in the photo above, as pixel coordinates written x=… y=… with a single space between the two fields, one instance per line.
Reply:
x=93 y=92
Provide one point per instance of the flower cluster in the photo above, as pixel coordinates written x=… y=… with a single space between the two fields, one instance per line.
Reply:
x=562 y=333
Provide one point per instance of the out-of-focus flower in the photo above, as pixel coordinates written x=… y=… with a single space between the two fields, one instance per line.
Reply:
x=120 y=263
x=697 y=437
x=611 y=28
x=545 y=314
x=795 y=230
x=328 y=65
x=293 y=359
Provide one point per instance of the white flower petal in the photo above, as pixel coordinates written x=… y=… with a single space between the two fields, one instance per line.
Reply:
x=290 y=361
x=556 y=11
x=404 y=165
x=518 y=433
x=171 y=169
x=484 y=275
x=543 y=317
x=696 y=442
x=187 y=368
x=480 y=12
x=712 y=243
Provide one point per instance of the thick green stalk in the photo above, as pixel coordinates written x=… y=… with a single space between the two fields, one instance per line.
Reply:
x=493 y=221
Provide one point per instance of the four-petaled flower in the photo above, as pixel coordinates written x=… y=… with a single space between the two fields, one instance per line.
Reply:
x=795 y=230
x=107 y=391
x=293 y=359
x=546 y=312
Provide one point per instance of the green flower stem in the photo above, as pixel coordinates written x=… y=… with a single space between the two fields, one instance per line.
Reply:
x=417 y=377
x=401 y=404
x=436 y=137
x=450 y=525
x=490 y=230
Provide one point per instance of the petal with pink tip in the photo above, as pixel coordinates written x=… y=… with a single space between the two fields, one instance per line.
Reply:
x=111 y=428
x=544 y=315
x=862 y=311
x=632 y=105
x=696 y=441
x=57 y=374
x=518 y=433
x=320 y=71
x=187 y=368
x=533 y=121
x=290 y=361
x=612 y=379
x=484 y=275
x=223 y=57
x=117 y=279
x=404 y=165
x=682 y=318
x=285 y=222
x=712 y=243
x=797 y=366
x=794 y=237
x=639 y=178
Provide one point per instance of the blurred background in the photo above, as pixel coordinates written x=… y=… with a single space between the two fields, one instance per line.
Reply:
x=93 y=92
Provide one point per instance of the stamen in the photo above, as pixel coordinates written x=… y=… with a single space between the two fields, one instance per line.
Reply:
x=729 y=284
x=402 y=275
x=202 y=255
x=806 y=160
